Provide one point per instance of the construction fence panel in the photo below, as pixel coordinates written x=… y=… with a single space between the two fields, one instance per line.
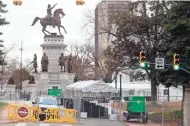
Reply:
x=30 y=113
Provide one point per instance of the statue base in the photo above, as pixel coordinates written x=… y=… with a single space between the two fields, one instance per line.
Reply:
x=53 y=46
x=48 y=80
x=44 y=75
x=62 y=71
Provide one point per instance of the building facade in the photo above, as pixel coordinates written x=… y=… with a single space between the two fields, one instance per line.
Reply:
x=104 y=25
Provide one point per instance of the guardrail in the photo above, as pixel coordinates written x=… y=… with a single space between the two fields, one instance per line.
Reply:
x=30 y=113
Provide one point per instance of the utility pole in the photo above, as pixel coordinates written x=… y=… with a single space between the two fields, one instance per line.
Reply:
x=21 y=49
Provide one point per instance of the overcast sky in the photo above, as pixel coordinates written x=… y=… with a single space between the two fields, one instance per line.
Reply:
x=21 y=18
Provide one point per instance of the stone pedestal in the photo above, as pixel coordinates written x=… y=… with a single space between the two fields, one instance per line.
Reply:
x=47 y=80
x=53 y=46
x=36 y=75
x=67 y=76
x=10 y=88
x=44 y=76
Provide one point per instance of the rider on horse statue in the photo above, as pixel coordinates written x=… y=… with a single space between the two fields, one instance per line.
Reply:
x=51 y=19
x=49 y=14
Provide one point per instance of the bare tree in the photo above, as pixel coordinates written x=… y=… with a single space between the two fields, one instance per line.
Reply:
x=83 y=61
x=103 y=23
x=28 y=65
x=14 y=68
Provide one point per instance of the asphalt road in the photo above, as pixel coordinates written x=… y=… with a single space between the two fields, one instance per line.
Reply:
x=84 y=122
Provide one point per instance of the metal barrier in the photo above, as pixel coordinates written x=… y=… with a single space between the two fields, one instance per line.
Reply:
x=29 y=113
x=60 y=115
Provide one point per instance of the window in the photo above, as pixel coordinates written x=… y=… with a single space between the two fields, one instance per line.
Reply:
x=54 y=87
x=131 y=92
x=166 y=92
x=131 y=77
x=47 y=101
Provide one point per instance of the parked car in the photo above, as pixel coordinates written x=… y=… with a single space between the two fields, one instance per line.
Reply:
x=44 y=102
x=25 y=96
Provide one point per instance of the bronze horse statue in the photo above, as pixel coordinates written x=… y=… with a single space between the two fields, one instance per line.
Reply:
x=56 y=21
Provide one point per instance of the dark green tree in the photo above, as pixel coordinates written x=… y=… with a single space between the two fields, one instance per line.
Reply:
x=2 y=23
x=176 y=39
x=139 y=28
x=2 y=11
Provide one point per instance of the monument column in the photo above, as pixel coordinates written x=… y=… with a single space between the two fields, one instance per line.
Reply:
x=53 y=46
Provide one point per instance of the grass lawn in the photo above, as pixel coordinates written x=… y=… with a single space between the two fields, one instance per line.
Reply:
x=2 y=105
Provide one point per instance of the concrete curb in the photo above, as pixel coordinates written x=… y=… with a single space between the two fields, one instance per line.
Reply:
x=8 y=121
x=5 y=121
x=131 y=125
x=128 y=124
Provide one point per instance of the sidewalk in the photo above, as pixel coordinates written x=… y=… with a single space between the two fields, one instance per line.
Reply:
x=4 y=111
x=141 y=124
x=3 y=116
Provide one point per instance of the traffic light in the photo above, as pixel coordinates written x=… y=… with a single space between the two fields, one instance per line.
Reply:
x=176 y=61
x=17 y=2
x=142 y=59
x=80 y=2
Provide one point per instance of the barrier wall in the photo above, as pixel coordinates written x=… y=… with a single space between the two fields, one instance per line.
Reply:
x=30 y=113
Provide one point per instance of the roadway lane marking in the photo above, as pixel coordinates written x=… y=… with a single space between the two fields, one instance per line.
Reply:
x=44 y=124
x=21 y=124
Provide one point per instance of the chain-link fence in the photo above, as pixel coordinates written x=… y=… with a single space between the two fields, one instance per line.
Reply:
x=160 y=113
x=19 y=95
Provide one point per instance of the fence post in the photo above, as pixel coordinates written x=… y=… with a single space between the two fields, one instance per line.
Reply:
x=99 y=110
x=40 y=92
x=91 y=109
x=162 y=114
x=10 y=95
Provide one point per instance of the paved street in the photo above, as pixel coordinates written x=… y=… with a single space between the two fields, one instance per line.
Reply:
x=85 y=122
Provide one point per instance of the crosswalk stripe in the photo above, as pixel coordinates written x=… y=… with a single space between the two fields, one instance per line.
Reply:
x=21 y=124
x=40 y=124
x=44 y=124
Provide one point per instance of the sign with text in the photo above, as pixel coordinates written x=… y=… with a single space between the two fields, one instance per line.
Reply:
x=54 y=92
x=159 y=63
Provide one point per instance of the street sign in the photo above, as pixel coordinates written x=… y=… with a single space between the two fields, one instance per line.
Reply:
x=159 y=63
x=55 y=92
x=22 y=112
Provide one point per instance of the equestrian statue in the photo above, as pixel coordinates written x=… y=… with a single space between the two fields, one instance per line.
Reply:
x=51 y=20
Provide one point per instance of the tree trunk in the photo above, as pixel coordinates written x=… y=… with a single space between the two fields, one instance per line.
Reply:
x=153 y=90
x=186 y=106
x=183 y=89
